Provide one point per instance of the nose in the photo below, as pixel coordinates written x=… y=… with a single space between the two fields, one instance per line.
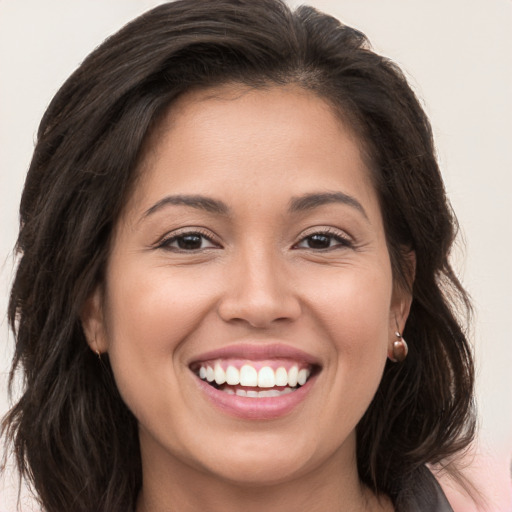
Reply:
x=260 y=293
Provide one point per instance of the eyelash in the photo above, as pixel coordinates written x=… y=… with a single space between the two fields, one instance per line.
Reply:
x=166 y=242
x=343 y=241
x=332 y=234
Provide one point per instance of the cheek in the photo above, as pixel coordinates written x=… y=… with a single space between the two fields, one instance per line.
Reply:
x=150 y=312
x=359 y=332
x=354 y=313
x=353 y=306
x=154 y=308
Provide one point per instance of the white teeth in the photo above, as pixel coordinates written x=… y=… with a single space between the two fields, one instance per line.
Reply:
x=293 y=374
x=266 y=378
x=220 y=374
x=252 y=393
x=302 y=377
x=210 y=375
x=248 y=376
x=232 y=376
x=270 y=393
x=281 y=377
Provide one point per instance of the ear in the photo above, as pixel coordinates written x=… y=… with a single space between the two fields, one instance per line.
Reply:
x=402 y=296
x=93 y=322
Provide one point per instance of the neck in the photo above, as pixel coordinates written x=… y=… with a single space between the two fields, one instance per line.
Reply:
x=331 y=487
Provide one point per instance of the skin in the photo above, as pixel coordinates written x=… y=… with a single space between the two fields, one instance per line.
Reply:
x=255 y=279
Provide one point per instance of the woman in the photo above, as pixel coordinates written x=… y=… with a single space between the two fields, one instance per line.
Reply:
x=232 y=223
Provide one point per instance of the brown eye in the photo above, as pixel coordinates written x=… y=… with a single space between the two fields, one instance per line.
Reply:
x=187 y=242
x=323 y=241
x=319 y=241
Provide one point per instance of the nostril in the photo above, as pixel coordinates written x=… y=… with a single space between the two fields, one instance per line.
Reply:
x=259 y=299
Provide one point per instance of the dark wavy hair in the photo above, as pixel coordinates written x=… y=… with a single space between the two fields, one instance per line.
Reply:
x=74 y=439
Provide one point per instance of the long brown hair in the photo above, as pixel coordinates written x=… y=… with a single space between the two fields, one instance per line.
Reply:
x=74 y=438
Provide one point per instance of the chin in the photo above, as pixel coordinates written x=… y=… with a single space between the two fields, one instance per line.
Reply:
x=266 y=462
x=260 y=471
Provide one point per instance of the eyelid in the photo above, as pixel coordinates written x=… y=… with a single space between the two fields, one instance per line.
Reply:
x=348 y=241
x=169 y=237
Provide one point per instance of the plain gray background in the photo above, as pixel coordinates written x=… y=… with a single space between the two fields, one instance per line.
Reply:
x=458 y=57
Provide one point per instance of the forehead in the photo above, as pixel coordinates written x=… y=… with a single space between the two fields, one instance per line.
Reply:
x=261 y=106
x=262 y=136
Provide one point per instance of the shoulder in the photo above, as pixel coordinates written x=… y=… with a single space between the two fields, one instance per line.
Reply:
x=422 y=494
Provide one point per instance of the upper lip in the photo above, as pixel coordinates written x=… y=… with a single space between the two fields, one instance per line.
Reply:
x=257 y=352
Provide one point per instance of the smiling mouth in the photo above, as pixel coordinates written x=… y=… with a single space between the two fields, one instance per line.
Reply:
x=255 y=379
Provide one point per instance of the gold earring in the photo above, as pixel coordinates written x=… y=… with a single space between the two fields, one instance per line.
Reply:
x=96 y=351
x=399 y=349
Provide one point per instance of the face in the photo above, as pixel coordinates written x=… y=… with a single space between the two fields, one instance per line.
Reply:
x=248 y=303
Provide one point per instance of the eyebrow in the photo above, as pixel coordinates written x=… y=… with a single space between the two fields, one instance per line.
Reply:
x=194 y=201
x=297 y=204
x=315 y=200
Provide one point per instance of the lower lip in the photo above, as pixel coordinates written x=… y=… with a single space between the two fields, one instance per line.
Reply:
x=265 y=408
